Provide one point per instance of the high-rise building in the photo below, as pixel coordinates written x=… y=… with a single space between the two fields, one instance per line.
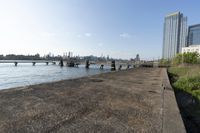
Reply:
x=137 y=58
x=194 y=35
x=175 y=34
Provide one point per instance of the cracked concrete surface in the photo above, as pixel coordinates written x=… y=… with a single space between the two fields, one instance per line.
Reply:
x=123 y=101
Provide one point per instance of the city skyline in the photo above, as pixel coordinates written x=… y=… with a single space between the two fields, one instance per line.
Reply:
x=120 y=29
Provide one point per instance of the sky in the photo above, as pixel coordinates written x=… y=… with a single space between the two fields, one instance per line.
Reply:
x=118 y=28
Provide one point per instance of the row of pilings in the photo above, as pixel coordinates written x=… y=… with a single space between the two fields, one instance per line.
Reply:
x=75 y=64
x=87 y=65
x=34 y=63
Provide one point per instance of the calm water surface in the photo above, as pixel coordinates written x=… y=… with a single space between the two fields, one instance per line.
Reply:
x=26 y=74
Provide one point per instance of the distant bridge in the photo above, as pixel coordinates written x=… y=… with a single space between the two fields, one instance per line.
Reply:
x=72 y=62
x=15 y=62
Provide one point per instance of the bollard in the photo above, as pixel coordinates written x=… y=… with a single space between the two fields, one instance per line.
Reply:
x=87 y=64
x=113 y=68
x=47 y=63
x=15 y=63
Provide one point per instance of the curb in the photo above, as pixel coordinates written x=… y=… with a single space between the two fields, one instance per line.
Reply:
x=172 y=120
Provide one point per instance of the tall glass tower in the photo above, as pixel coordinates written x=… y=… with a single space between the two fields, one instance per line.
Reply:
x=175 y=34
x=194 y=35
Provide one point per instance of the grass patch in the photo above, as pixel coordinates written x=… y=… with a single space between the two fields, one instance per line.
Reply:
x=187 y=79
x=189 y=84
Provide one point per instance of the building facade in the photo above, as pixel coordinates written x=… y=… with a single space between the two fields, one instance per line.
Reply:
x=194 y=35
x=191 y=48
x=175 y=35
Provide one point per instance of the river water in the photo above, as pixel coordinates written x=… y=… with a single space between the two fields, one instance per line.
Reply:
x=25 y=74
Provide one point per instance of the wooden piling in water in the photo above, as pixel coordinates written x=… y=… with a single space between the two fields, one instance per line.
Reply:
x=101 y=67
x=61 y=63
x=120 y=67
x=87 y=64
x=113 y=67
x=34 y=63
x=15 y=63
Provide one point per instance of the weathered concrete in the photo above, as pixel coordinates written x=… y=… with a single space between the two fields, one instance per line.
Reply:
x=172 y=121
x=124 y=101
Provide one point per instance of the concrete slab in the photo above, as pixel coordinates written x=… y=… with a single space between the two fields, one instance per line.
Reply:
x=124 y=101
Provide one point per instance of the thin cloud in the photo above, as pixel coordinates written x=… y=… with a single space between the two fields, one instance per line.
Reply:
x=47 y=34
x=79 y=35
x=100 y=44
x=88 y=34
x=125 y=35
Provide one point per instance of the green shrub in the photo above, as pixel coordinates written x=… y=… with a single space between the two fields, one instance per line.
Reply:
x=189 y=84
x=189 y=58
x=164 y=62
x=177 y=60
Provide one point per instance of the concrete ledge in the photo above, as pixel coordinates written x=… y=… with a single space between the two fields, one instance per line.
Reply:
x=172 y=120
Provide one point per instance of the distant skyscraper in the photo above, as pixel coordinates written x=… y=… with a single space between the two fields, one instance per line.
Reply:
x=194 y=35
x=175 y=34
x=137 y=58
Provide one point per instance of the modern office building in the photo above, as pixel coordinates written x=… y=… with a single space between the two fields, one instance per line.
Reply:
x=194 y=35
x=191 y=48
x=175 y=34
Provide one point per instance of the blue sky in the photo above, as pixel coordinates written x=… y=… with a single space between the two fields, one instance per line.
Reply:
x=119 y=28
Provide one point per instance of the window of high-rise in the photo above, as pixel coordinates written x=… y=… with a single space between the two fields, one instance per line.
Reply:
x=194 y=35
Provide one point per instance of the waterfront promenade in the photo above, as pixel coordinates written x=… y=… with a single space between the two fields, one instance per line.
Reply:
x=124 y=101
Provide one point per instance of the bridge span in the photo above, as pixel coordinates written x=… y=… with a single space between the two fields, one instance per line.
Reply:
x=16 y=62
